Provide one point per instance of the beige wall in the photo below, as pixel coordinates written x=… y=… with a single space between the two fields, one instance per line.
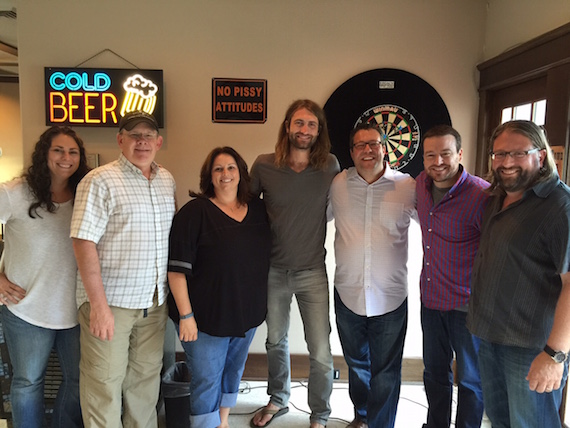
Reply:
x=11 y=162
x=303 y=48
x=512 y=22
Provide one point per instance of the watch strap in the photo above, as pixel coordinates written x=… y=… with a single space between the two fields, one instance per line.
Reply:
x=554 y=354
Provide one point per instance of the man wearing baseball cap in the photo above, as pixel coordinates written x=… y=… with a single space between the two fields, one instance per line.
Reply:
x=120 y=227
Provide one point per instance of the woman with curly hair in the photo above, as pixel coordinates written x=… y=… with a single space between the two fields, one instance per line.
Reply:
x=37 y=286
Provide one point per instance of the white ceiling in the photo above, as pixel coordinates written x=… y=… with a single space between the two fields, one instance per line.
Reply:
x=8 y=39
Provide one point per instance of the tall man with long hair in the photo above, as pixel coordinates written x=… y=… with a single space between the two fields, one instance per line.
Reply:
x=520 y=301
x=295 y=182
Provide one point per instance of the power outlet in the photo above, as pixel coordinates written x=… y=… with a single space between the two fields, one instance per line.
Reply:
x=0 y=151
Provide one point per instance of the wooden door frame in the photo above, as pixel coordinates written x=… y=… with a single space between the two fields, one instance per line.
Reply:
x=545 y=56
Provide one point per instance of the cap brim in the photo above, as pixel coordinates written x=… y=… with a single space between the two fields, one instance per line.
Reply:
x=134 y=122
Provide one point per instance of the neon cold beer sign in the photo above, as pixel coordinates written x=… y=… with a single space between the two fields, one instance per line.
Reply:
x=100 y=97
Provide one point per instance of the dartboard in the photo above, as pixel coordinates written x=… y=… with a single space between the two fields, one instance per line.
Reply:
x=400 y=132
x=403 y=105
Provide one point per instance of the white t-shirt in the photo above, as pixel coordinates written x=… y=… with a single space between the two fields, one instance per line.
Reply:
x=38 y=256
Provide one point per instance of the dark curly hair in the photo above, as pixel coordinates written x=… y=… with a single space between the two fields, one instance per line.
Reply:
x=38 y=175
x=206 y=185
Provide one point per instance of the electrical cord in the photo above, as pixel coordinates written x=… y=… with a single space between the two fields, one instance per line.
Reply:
x=247 y=388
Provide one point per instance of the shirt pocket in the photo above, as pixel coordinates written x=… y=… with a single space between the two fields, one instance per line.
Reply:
x=390 y=214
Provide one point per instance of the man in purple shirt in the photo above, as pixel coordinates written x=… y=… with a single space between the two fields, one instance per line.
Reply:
x=450 y=207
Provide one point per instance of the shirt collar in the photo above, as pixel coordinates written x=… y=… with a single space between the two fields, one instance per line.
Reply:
x=125 y=163
x=352 y=173
x=545 y=188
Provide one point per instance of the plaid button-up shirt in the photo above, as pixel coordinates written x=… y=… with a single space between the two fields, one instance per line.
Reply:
x=128 y=217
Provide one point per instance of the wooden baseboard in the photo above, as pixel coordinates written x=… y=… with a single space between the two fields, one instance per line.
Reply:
x=256 y=367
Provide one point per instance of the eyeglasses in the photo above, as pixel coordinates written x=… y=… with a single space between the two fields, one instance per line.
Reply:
x=372 y=144
x=148 y=136
x=517 y=154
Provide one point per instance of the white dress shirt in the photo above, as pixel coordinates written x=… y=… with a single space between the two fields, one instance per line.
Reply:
x=371 y=241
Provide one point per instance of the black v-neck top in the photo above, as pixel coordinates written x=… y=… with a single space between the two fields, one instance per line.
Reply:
x=226 y=263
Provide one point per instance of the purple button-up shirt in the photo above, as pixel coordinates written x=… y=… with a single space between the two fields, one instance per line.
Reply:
x=450 y=238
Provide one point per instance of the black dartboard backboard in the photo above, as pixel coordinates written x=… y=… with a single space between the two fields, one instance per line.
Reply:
x=402 y=104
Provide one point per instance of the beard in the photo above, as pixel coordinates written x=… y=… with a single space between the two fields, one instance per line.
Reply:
x=446 y=175
x=521 y=181
x=298 y=141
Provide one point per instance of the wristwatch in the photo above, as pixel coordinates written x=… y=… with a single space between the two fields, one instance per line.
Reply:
x=557 y=356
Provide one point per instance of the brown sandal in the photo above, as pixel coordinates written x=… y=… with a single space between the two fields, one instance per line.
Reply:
x=275 y=413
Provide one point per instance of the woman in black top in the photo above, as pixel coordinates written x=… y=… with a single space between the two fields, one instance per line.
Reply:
x=219 y=260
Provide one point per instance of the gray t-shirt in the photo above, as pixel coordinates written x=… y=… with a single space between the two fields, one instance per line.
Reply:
x=437 y=193
x=296 y=205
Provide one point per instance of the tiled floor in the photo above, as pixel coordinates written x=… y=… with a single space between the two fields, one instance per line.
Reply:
x=412 y=408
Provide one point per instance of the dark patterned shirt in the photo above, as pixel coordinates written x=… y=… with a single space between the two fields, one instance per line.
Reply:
x=516 y=276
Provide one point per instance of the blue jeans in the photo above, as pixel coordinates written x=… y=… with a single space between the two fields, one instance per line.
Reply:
x=310 y=288
x=445 y=332
x=29 y=347
x=216 y=365
x=508 y=400
x=373 y=348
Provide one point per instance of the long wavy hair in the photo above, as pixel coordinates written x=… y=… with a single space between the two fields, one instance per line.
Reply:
x=322 y=147
x=207 y=187
x=537 y=136
x=38 y=175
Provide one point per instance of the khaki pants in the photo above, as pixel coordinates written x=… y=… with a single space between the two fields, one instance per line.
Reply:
x=124 y=372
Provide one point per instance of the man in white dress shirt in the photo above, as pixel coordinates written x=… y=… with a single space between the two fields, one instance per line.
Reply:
x=372 y=206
